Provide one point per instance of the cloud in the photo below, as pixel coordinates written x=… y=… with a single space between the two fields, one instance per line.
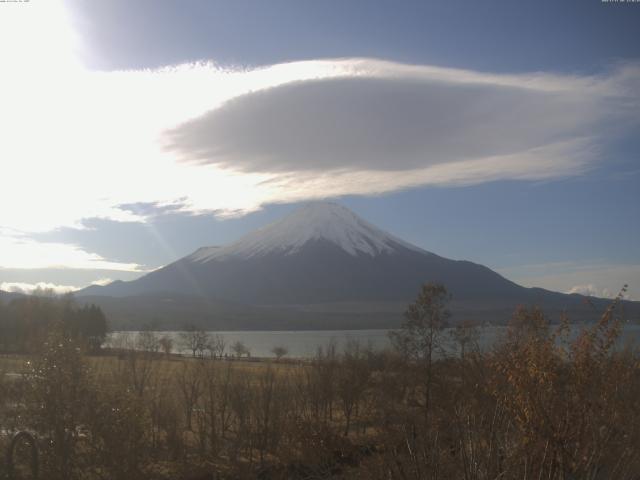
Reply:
x=151 y=209
x=64 y=276
x=379 y=126
x=26 y=253
x=199 y=137
x=384 y=124
x=548 y=162
x=587 y=278
x=202 y=137
x=28 y=288
x=591 y=290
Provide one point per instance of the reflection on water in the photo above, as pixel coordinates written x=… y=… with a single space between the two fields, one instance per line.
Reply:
x=304 y=344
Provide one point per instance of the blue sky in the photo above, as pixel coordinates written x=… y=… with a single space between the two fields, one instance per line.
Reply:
x=501 y=132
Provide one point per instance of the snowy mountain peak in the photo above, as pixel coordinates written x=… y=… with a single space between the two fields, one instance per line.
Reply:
x=317 y=221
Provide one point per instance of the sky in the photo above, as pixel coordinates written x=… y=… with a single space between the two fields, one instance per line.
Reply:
x=505 y=133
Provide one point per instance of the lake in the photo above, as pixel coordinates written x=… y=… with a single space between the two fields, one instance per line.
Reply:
x=304 y=343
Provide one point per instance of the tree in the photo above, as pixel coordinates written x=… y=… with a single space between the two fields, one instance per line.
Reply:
x=353 y=376
x=240 y=349
x=58 y=388
x=26 y=321
x=115 y=443
x=148 y=341
x=94 y=327
x=166 y=344
x=279 y=352
x=194 y=339
x=420 y=333
x=191 y=388
x=216 y=345
x=465 y=334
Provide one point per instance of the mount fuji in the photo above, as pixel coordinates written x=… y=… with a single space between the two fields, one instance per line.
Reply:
x=320 y=267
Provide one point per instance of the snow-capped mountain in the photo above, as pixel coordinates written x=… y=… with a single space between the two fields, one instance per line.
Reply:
x=328 y=222
x=323 y=259
x=320 y=253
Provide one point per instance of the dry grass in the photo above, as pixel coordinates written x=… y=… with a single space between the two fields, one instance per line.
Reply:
x=165 y=366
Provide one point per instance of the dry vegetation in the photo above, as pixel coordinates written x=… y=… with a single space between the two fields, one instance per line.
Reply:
x=536 y=406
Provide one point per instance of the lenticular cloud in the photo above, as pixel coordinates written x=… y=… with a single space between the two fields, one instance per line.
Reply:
x=436 y=123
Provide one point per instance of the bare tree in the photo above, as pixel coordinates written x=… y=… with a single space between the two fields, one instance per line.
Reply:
x=121 y=341
x=320 y=382
x=166 y=344
x=465 y=334
x=137 y=370
x=191 y=387
x=216 y=345
x=195 y=340
x=279 y=352
x=419 y=336
x=240 y=349
x=148 y=341
x=270 y=411
x=352 y=379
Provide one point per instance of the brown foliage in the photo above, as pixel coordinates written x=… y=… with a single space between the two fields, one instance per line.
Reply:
x=540 y=404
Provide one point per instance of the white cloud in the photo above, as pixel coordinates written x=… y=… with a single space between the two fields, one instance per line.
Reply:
x=591 y=290
x=96 y=142
x=28 y=288
x=587 y=278
x=77 y=144
x=552 y=161
x=22 y=252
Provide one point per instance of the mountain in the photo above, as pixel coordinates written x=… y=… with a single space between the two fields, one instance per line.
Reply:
x=321 y=265
x=320 y=253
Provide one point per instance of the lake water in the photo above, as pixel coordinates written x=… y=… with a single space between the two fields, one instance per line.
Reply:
x=304 y=344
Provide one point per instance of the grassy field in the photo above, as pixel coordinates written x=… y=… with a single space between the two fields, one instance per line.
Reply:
x=166 y=366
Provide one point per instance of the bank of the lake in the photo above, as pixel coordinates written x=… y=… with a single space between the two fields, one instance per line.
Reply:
x=304 y=344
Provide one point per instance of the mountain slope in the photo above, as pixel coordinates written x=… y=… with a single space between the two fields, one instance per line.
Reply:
x=320 y=253
x=324 y=255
